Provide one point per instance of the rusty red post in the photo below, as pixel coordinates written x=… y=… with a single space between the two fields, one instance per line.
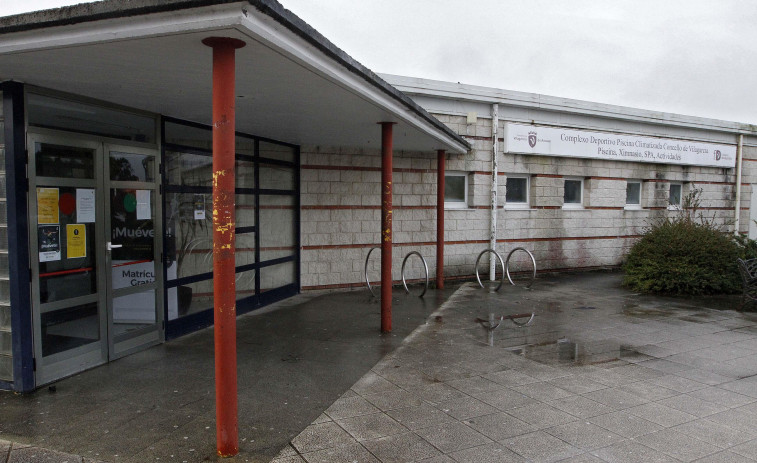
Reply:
x=224 y=288
x=386 y=227
x=440 y=155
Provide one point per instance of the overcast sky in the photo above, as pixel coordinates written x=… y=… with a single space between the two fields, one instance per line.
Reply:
x=695 y=57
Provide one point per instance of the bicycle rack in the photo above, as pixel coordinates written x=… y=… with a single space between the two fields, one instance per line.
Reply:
x=425 y=267
x=367 y=281
x=507 y=269
x=491 y=251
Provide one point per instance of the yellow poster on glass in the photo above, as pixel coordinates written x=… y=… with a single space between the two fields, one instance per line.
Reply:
x=47 y=205
x=76 y=241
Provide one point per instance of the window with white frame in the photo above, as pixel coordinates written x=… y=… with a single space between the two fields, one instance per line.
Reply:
x=573 y=196
x=675 y=197
x=516 y=191
x=456 y=190
x=633 y=194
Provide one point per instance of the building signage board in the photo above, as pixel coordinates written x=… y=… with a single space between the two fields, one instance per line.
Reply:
x=555 y=141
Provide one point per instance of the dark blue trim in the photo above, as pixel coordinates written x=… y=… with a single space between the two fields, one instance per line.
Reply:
x=277 y=261
x=278 y=162
x=18 y=236
x=242 y=230
x=166 y=249
x=187 y=189
x=278 y=294
x=256 y=175
x=189 y=280
x=297 y=223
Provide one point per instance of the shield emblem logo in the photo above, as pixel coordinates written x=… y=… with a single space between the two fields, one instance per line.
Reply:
x=531 y=139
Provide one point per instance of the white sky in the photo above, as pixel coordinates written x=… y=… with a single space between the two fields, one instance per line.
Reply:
x=695 y=57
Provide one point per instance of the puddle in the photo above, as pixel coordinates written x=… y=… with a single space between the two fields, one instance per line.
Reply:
x=564 y=351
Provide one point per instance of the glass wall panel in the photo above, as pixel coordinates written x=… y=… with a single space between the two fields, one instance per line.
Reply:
x=244 y=210
x=275 y=151
x=68 y=328
x=64 y=161
x=277 y=276
x=189 y=234
x=188 y=169
x=186 y=135
x=277 y=227
x=245 y=284
x=56 y=113
x=63 y=275
x=276 y=177
x=190 y=298
x=245 y=172
x=245 y=249
x=132 y=167
x=133 y=311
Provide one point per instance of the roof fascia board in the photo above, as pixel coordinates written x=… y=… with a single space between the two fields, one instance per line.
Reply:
x=113 y=30
x=456 y=91
x=261 y=28
x=74 y=26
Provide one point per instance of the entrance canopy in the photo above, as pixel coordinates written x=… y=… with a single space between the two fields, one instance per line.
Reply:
x=292 y=84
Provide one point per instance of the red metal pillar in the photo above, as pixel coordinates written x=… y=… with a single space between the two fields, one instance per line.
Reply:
x=440 y=155
x=224 y=288
x=386 y=226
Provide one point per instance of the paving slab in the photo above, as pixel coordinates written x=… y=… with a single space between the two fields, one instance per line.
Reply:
x=602 y=374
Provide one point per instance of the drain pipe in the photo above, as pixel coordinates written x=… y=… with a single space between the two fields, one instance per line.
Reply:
x=737 y=222
x=495 y=152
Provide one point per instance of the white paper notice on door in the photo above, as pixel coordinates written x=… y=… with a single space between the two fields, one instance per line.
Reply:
x=85 y=205
x=143 y=205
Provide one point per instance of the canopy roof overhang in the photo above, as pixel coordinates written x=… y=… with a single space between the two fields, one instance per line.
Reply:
x=292 y=84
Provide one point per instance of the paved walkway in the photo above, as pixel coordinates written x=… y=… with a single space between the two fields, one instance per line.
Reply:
x=294 y=360
x=603 y=375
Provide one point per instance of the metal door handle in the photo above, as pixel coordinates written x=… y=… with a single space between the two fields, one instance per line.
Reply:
x=111 y=246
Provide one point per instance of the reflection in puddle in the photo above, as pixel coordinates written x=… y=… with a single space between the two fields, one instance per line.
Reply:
x=564 y=351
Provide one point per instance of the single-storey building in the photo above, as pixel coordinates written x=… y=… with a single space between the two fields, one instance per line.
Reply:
x=105 y=132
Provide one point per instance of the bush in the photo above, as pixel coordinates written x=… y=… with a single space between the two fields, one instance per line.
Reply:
x=684 y=258
x=686 y=255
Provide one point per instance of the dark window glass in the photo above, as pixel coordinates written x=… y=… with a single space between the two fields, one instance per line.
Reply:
x=675 y=195
x=454 y=188
x=64 y=161
x=633 y=193
x=572 y=192
x=74 y=116
x=517 y=190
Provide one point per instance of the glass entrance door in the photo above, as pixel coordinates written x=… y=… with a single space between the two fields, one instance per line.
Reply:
x=135 y=317
x=95 y=252
x=68 y=284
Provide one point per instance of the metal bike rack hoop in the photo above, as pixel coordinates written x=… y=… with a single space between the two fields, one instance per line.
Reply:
x=491 y=251
x=425 y=267
x=507 y=268
x=368 y=281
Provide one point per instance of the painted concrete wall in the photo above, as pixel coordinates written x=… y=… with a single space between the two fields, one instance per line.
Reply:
x=341 y=207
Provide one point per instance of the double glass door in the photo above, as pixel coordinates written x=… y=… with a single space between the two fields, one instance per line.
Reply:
x=95 y=245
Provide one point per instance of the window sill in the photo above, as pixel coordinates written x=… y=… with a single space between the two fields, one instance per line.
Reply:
x=633 y=208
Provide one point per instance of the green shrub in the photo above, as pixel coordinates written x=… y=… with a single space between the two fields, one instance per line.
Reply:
x=684 y=258
x=686 y=255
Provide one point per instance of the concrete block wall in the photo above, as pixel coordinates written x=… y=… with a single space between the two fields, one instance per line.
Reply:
x=341 y=208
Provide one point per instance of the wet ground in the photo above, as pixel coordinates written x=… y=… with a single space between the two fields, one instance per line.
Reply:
x=159 y=404
x=602 y=375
